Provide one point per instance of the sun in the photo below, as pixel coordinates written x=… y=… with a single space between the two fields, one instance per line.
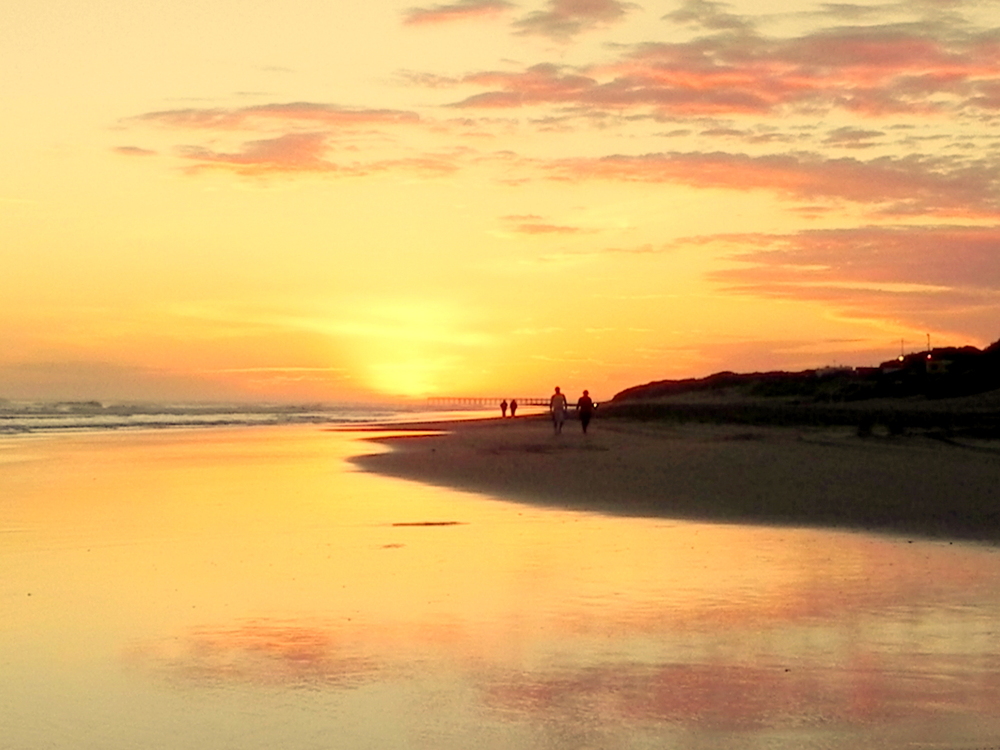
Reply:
x=412 y=377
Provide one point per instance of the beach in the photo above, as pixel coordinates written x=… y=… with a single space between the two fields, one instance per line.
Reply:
x=252 y=587
x=815 y=476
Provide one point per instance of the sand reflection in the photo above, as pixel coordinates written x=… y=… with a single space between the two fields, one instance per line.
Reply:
x=881 y=671
x=860 y=693
x=815 y=630
x=258 y=564
x=259 y=652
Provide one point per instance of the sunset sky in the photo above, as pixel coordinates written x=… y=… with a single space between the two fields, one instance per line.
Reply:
x=314 y=200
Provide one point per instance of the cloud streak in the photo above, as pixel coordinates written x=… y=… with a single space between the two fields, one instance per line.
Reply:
x=307 y=114
x=461 y=11
x=134 y=151
x=897 y=186
x=708 y=15
x=936 y=256
x=292 y=152
x=306 y=153
x=566 y=18
x=925 y=277
x=533 y=224
x=303 y=135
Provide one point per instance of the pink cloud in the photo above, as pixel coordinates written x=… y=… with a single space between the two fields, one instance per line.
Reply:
x=306 y=153
x=304 y=134
x=900 y=186
x=460 y=11
x=874 y=72
x=565 y=18
x=540 y=84
x=938 y=277
x=938 y=255
x=292 y=152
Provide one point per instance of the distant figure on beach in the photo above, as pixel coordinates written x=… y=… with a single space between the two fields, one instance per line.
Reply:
x=503 y=408
x=558 y=406
x=513 y=407
x=585 y=408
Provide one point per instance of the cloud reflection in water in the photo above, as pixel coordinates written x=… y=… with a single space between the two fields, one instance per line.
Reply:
x=259 y=652
x=750 y=681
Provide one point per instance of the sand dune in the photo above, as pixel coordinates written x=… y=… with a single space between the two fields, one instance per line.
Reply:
x=807 y=476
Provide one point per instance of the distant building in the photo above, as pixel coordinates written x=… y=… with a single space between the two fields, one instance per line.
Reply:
x=826 y=372
x=946 y=371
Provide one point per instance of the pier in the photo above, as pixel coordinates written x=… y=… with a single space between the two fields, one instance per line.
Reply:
x=486 y=401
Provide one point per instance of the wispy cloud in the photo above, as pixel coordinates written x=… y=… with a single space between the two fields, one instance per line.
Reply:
x=898 y=186
x=309 y=114
x=564 y=19
x=301 y=138
x=708 y=15
x=460 y=11
x=134 y=151
x=538 y=228
x=544 y=83
x=848 y=137
x=534 y=224
x=307 y=153
x=647 y=249
x=851 y=11
x=280 y=370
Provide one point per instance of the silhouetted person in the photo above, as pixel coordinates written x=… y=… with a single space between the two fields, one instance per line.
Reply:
x=513 y=407
x=557 y=404
x=503 y=408
x=585 y=408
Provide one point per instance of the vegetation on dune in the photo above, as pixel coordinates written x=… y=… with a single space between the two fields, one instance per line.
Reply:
x=944 y=389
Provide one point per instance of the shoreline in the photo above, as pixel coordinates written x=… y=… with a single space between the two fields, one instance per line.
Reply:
x=802 y=476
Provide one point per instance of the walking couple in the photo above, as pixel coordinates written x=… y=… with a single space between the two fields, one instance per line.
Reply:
x=557 y=405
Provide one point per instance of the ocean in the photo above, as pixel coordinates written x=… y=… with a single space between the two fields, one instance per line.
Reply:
x=49 y=416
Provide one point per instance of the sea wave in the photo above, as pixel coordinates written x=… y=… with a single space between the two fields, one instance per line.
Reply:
x=45 y=416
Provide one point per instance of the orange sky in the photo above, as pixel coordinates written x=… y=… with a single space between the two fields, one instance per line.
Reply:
x=312 y=201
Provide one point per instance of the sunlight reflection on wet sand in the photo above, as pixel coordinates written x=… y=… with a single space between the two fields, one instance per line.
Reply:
x=249 y=587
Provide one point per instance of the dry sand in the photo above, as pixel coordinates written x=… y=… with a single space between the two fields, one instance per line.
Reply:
x=802 y=476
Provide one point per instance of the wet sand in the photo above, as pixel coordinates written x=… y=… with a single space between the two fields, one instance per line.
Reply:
x=245 y=587
x=914 y=485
